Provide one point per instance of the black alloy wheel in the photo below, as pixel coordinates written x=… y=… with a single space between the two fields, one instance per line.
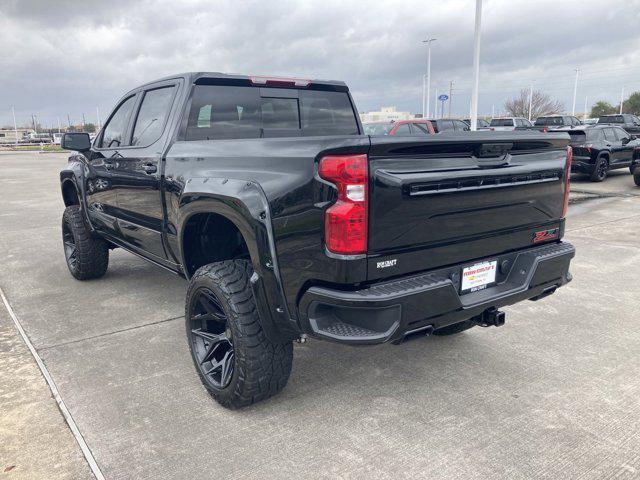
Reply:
x=70 y=249
x=211 y=339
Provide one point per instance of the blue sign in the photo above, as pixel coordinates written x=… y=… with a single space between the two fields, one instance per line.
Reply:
x=443 y=98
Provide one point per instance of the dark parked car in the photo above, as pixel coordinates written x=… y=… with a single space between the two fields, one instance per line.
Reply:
x=600 y=148
x=449 y=125
x=399 y=127
x=287 y=220
x=555 y=122
x=481 y=124
x=630 y=123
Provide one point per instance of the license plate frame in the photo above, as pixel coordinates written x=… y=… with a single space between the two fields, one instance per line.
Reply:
x=478 y=276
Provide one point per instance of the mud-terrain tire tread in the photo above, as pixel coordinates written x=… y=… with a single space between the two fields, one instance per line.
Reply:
x=262 y=368
x=92 y=252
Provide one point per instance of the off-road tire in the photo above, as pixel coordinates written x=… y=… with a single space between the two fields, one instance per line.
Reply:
x=91 y=256
x=261 y=368
x=455 y=328
x=600 y=170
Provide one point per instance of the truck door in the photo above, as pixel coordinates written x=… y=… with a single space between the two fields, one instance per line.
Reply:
x=101 y=178
x=140 y=207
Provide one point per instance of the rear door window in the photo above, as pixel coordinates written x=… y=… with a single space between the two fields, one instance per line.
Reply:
x=609 y=135
x=229 y=112
x=152 y=116
x=403 y=130
x=116 y=128
x=420 y=129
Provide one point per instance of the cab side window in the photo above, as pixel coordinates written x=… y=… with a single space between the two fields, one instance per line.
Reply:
x=152 y=116
x=115 y=130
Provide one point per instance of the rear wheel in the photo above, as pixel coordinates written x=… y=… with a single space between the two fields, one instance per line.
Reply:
x=87 y=256
x=455 y=328
x=235 y=360
x=636 y=176
x=601 y=170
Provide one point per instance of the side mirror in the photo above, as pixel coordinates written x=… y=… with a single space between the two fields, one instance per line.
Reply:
x=626 y=140
x=80 y=142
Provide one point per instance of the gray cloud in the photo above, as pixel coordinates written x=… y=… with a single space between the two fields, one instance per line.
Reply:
x=70 y=56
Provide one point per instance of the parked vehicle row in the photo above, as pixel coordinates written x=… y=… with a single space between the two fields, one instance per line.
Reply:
x=598 y=148
x=287 y=220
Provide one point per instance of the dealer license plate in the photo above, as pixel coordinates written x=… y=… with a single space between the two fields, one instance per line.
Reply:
x=478 y=276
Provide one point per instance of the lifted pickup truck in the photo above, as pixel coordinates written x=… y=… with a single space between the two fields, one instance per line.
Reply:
x=288 y=221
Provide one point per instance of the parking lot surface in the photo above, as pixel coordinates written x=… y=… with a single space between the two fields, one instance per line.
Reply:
x=551 y=395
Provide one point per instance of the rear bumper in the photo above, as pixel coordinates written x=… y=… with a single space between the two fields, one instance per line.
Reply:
x=582 y=165
x=389 y=310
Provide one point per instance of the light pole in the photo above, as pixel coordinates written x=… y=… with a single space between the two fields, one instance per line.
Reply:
x=426 y=97
x=435 y=103
x=575 y=92
x=530 y=99
x=15 y=125
x=621 y=99
x=476 y=69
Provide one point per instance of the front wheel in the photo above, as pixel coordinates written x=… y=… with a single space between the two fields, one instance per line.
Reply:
x=235 y=360
x=87 y=256
x=636 y=176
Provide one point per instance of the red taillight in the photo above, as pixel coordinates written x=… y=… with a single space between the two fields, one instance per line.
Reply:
x=545 y=130
x=345 y=222
x=567 y=181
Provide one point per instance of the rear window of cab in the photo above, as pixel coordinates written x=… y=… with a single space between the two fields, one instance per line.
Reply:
x=221 y=112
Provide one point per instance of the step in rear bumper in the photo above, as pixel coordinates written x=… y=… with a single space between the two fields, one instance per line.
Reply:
x=387 y=310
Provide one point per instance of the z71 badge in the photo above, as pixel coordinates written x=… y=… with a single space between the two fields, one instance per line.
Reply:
x=544 y=235
x=387 y=263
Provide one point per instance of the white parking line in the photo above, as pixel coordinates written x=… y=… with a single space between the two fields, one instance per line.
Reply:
x=56 y=394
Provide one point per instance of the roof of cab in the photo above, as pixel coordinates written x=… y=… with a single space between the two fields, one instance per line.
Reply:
x=192 y=77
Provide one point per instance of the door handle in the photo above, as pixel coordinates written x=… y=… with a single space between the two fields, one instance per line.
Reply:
x=150 y=168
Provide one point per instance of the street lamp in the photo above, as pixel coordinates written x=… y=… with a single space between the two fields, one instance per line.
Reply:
x=426 y=96
x=476 y=69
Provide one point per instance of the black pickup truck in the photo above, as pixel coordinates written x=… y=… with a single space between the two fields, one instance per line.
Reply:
x=288 y=221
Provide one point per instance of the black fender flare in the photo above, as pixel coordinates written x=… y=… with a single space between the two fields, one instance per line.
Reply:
x=74 y=173
x=244 y=204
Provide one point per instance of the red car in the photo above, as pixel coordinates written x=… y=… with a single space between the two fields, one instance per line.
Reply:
x=399 y=127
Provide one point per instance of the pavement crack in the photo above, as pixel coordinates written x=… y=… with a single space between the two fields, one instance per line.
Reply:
x=106 y=334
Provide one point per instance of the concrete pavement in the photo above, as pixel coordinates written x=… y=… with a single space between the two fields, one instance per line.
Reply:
x=553 y=394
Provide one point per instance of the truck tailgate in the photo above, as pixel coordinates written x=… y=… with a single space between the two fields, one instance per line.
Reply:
x=460 y=197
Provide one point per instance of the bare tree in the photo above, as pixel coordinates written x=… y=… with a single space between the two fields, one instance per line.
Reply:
x=541 y=104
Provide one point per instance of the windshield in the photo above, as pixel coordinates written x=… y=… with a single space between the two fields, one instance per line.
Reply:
x=377 y=128
x=502 y=122
x=611 y=119
x=547 y=121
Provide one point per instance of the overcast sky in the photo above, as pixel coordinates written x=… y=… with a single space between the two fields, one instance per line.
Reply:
x=70 y=56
